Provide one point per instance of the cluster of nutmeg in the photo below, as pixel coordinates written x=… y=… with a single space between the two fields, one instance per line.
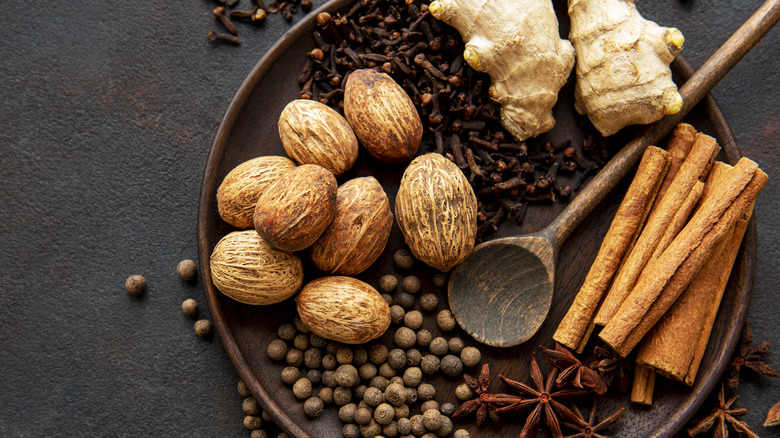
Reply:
x=344 y=228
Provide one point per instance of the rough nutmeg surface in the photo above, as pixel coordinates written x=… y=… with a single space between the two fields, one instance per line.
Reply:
x=343 y=309
x=294 y=211
x=242 y=186
x=437 y=211
x=314 y=133
x=382 y=116
x=246 y=268
x=358 y=233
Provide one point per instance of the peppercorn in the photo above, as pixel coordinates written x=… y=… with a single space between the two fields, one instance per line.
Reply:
x=470 y=356
x=243 y=390
x=350 y=431
x=405 y=337
x=402 y=411
x=329 y=362
x=413 y=319
x=424 y=338
x=135 y=285
x=438 y=346
x=202 y=328
x=326 y=395
x=347 y=412
x=397 y=314
x=413 y=357
x=377 y=354
x=315 y=376
x=396 y=359
x=431 y=417
x=301 y=342
x=371 y=429
x=445 y=320
x=463 y=392
x=395 y=394
x=286 y=331
x=412 y=377
x=429 y=302
x=250 y=406
x=388 y=299
x=347 y=375
x=342 y=395
x=329 y=378
x=411 y=284
x=440 y=279
x=429 y=405
x=405 y=300
x=359 y=391
x=418 y=427
x=359 y=356
x=277 y=349
x=446 y=427
x=189 y=307
x=386 y=371
x=388 y=283
x=363 y=416
x=294 y=357
x=186 y=270
x=451 y=365
x=258 y=433
x=429 y=364
x=299 y=325
x=379 y=383
x=313 y=407
x=404 y=425
x=252 y=423
x=317 y=341
x=461 y=433
x=384 y=413
x=344 y=355
x=390 y=430
x=447 y=409
x=455 y=345
x=426 y=392
x=403 y=259
x=302 y=388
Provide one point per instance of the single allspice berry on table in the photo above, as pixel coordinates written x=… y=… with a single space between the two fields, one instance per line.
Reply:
x=189 y=307
x=186 y=269
x=252 y=422
x=202 y=328
x=135 y=285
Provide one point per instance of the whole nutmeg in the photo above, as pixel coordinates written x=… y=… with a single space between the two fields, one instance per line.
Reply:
x=294 y=211
x=246 y=268
x=437 y=211
x=314 y=133
x=358 y=233
x=382 y=115
x=343 y=309
x=242 y=186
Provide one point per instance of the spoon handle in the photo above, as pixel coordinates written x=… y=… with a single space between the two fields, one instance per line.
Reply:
x=713 y=70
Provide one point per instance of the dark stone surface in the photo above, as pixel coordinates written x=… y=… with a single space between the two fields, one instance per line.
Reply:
x=107 y=111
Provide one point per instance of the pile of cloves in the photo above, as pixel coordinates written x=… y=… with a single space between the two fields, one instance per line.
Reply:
x=256 y=15
x=461 y=122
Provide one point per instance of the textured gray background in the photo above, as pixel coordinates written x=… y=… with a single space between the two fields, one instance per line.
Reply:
x=107 y=111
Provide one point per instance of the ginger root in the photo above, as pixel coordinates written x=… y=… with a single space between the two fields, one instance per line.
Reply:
x=517 y=43
x=623 y=75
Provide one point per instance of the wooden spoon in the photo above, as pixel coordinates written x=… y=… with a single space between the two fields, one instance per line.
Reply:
x=502 y=292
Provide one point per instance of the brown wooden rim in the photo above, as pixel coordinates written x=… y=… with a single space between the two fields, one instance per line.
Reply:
x=688 y=407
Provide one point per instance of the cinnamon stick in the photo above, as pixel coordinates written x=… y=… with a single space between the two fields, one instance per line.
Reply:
x=662 y=282
x=577 y=323
x=644 y=385
x=703 y=151
x=679 y=219
x=678 y=147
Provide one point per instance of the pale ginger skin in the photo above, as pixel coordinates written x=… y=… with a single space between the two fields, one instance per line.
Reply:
x=517 y=43
x=623 y=75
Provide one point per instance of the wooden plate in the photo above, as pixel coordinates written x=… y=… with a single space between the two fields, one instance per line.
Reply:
x=249 y=129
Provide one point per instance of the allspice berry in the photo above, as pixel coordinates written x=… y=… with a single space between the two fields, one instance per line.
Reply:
x=252 y=422
x=455 y=345
x=258 y=433
x=302 y=388
x=388 y=283
x=347 y=375
x=373 y=396
x=396 y=359
x=313 y=407
x=432 y=419
x=446 y=320
x=202 y=328
x=397 y=314
x=347 y=412
x=424 y=338
x=440 y=279
x=250 y=406
x=429 y=364
x=429 y=302
x=470 y=356
x=350 y=430
x=462 y=433
x=411 y=284
x=395 y=394
x=428 y=405
x=286 y=331
x=447 y=409
x=243 y=390
x=378 y=354
x=405 y=337
x=277 y=349
x=290 y=375
x=384 y=413
x=451 y=365
x=186 y=270
x=135 y=285
x=463 y=392
x=438 y=346
x=403 y=259
x=363 y=416
x=413 y=319
x=426 y=392
x=342 y=395
x=190 y=307
x=326 y=395
x=412 y=377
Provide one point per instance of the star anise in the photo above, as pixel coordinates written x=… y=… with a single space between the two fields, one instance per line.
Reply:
x=542 y=398
x=485 y=404
x=613 y=368
x=749 y=357
x=723 y=416
x=591 y=429
x=572 y=370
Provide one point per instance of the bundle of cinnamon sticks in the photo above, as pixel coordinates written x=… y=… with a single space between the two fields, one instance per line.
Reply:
x=657 y=281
